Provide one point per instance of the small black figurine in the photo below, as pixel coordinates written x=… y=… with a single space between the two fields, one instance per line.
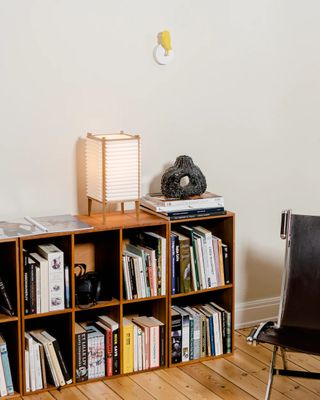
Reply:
x=183 y=169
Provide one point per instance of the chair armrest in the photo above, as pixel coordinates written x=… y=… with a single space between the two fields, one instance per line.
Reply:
x=254 y=334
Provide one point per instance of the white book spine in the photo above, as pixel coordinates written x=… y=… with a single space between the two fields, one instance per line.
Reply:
x=135 y=348
x=31 y=364
x=37 y=363
x=38 y=290
x=27 y=370
x=142 y=277
x=185 y=338
x=202 y=280
x=55 y=259
x=216 y=260
x=126 y=277
x=140 y=349
x=3 y=386
x=212 y=268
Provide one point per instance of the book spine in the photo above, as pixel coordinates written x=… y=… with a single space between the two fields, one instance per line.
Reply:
x=185 y=267
x=43 y=366
x=226 y=264
x=195 y=212
x=67 y=287
x=185 y=338
x=38 y=289
x=127 y=349
x=3 y=387
x=177 y=264
x=27 y=370
x=56 y=281
x=32 y=287
x=37 y=366
x=115 y=341
x=81 y=357
x=6 y=368
x=193 y=215
x=191 y=338
x=62 y=363
x=176 y=339
x=173 y=266
x=109 y=346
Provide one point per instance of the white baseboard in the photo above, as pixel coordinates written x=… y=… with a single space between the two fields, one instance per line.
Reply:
x=253 y=312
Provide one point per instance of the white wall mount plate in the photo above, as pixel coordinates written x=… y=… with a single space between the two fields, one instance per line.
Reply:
x=160 y=56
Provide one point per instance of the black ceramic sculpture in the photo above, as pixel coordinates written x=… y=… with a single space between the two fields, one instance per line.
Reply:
x=174 y=177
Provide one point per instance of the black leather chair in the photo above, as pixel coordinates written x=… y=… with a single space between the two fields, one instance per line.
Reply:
x=298 y=326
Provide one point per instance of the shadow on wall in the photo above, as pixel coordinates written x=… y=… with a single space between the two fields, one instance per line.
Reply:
x=155 y=184
x=262 y=275
x=81 y=176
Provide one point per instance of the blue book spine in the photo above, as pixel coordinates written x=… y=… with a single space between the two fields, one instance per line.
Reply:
x=6 y=368
x=213 y=352
x=173 y=262
x=67 y=287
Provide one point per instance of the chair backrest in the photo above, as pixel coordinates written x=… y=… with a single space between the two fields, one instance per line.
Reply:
x=300 y=298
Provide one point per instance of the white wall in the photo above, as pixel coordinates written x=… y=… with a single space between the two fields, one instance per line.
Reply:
x=241 y=98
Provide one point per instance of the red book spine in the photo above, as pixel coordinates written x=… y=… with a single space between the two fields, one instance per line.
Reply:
x=109 y=348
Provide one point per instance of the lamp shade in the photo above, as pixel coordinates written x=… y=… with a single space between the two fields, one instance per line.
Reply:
x=113 y=167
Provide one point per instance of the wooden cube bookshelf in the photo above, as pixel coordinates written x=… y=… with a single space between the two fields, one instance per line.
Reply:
x=100 y=249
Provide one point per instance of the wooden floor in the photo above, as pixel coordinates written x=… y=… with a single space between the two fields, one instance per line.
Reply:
x=238 y=377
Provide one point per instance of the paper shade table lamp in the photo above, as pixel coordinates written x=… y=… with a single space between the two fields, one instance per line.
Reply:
x=113 y=169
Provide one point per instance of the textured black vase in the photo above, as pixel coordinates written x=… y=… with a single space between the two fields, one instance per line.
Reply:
x=183 y=169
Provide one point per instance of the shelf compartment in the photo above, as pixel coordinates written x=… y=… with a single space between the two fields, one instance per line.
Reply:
x=10 y=333
x=100 y=252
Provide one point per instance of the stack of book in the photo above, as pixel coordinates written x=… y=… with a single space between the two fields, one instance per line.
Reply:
x=205 y=205
x=144 y=266
x=44 y=362
x=199 y=331
x=46 y=280
x=199 y=260
x=97 y=348
x=143 y=343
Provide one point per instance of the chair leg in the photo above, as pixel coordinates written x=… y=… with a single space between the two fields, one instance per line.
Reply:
x=284 y=358
x=273 y=361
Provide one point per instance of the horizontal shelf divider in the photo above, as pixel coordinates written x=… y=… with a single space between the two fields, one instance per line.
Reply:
x=48 y=314
x=143 y=299
x=174 y=296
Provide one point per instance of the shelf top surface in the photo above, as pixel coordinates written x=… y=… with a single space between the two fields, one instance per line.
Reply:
x=130 y=219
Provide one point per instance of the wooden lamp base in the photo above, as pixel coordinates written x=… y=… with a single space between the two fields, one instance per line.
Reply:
x=104 y=206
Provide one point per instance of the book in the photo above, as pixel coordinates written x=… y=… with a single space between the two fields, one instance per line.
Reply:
x=185 y=322
x=67 y=286
x=56 y=275
x=6 y=365
x=195 y=201
x=81 y=342
x=5 y=303
x=30 y=226
x=176 y=336
x=162 y=339
x=107 y=332
x=226 y=264
x=196 y=213
x=96 y=351
x=42 y=264
x=18 y=228
x=3 y=386
x=50 y=357
x=114 y=326
x=127 y=346
x=58 y=223
x=65 y=372
x=184 y=262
